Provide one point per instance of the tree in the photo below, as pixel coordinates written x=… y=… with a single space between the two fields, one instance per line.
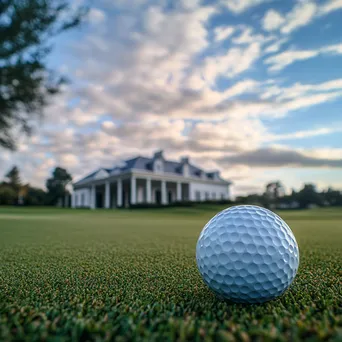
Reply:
x=308 y=195
x=56 y=185
x=273 y=191
x=35 y=196
x=8 y=196
x=13 y=178
x=332 y=197
x=26 y=29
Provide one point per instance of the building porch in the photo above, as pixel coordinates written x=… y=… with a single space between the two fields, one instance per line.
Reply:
x=124 y=192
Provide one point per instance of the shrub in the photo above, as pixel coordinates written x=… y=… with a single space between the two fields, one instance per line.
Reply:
x=8 y=196
x=177 y=204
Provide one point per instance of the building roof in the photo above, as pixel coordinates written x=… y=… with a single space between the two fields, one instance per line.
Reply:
x=90 y=176
x=146 y=164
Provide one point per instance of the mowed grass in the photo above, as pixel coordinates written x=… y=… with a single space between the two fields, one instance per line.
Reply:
x=131 y=275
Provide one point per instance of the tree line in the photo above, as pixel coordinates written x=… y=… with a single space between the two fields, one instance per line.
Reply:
x=14 y=192
x=274 y=196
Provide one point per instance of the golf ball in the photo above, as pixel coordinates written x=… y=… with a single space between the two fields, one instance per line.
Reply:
x=247 y=254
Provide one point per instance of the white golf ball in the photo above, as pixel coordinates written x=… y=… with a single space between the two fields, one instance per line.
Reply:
x=247 y=254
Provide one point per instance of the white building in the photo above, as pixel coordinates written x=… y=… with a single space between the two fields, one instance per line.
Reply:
x=148 y=180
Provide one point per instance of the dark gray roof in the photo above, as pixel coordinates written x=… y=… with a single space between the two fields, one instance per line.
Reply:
x=142 y=163
x=146 y=164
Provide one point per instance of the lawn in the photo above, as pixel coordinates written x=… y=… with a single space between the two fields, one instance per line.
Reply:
x=131 y=275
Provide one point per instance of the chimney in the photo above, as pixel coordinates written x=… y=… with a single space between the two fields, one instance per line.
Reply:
x=185 y=160
x=158 y=155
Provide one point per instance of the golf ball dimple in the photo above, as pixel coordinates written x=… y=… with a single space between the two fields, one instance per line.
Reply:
x=247 y=254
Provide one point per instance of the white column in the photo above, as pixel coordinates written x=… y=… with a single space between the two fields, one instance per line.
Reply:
x=163 y=192
x=87 y=198
x=148 y=190
x=73 y=204
x=93 y=197
x=133 y=190
x=107 y=196
x=119 y=193
x=179 y=191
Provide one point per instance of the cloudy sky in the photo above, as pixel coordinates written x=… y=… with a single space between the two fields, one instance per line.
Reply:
x=250 y=87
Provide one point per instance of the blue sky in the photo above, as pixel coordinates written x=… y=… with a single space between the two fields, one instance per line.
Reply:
x=250 y=87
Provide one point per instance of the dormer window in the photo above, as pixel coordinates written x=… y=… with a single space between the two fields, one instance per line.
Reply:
x=158 y=162
x=185 y=166
x=158 y=166
x=214 y=175
x=217 y=175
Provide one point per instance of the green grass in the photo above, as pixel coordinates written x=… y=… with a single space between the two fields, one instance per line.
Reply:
x=105 y=275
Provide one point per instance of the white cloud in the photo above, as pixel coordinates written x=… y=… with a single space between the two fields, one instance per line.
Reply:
x=275 y=47
x=247 y=36
x=246 y=86
x=330 y=6
x=234 y=62
x=301 y=96
x=189 y=4
x=68 y=160
x=335 y=49
x=310 y=100
x=108 y=125
x=323 y=152
x=96 y=16
x=330 y=85
x=302 y=14
x=239 y=6
x=80 y=117
x=272 y=20
x=299 y=90
x=303 y=134
x=223 y=32
x=132 y=5
x=282 y=60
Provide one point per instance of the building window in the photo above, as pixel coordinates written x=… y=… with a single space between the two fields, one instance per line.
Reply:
x=82 y=200
x=222 y=196
x=158 y=166
x=207 y=195
x=198 y=195
x=213 y=196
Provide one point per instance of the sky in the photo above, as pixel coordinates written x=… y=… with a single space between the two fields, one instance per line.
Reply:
x=252 y=88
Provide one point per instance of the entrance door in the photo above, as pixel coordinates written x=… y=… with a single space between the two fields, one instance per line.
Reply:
x=158 y=196
x=99 y=200
x=124 y=204
x=169 y=197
